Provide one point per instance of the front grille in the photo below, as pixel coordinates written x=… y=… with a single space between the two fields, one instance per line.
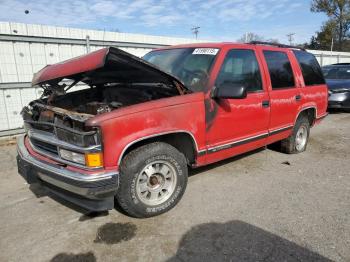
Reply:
x=47 y=127
x=45 y=147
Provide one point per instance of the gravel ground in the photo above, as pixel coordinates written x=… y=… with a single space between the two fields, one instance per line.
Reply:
x=263 y=206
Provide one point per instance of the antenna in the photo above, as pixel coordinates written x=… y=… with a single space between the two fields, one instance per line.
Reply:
x=290 y=38
x=195 y=31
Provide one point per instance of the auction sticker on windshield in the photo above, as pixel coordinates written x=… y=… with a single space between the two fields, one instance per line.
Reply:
x=205 y=51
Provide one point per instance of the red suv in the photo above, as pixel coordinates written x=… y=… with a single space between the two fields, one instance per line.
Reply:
x=137 y=125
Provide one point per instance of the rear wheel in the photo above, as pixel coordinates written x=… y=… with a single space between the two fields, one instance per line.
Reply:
x=153 y=179
x=297 y=141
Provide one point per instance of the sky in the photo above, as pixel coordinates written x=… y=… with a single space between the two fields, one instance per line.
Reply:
x=219 y=20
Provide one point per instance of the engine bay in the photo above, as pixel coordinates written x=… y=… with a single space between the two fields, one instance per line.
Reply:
x=58 y=109
x=104 y=99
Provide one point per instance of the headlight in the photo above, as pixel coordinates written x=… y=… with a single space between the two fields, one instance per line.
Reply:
x=87 y=159
x=72 y=156
x=82 y=139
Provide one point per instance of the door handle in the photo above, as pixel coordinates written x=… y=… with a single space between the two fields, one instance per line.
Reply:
x=298 y=97
x=266 y=103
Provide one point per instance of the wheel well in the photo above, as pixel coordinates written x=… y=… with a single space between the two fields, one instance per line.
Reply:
x=310 y=113
x=181 y=141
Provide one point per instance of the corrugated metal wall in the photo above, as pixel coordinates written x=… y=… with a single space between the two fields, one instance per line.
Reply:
x=25 y=49
x=328 y=57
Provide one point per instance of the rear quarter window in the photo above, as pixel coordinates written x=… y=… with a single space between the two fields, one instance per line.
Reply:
x=280 y=69
x=310 y=68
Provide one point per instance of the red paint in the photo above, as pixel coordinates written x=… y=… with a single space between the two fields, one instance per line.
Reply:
x=235 y=119
x=73 y=66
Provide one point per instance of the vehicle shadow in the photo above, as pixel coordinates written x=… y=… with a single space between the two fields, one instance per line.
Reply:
x=40 y=191
x=70 y=257
x=238 y=241
x=338 y=111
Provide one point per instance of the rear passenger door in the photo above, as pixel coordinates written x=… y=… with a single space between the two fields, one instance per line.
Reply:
x=284 y=92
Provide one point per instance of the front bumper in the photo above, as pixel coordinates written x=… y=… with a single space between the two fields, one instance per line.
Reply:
x=339 y=100
x=94 y=192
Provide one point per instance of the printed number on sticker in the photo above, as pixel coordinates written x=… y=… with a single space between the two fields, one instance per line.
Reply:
x=205 y=51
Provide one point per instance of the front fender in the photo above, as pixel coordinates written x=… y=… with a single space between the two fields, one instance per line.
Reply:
x=121 y=132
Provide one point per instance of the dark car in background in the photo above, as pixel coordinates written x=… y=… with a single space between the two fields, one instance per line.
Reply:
x=338 y=80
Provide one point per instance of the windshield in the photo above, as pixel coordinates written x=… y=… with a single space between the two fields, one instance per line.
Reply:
x=336 y=72
x=190 y=65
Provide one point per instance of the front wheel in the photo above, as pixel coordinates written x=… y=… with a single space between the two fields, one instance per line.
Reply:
x=297 y=141
x=153 y=179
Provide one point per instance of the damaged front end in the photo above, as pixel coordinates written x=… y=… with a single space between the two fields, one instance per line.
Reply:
x=62 y=135
x=60 y=150
x=65 y=156
x=111 y=79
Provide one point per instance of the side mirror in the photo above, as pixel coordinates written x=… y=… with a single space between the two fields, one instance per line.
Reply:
x=230 y=91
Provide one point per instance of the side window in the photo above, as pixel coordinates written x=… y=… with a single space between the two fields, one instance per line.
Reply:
x=280 y=69
x=310 y=68
x=241 y=67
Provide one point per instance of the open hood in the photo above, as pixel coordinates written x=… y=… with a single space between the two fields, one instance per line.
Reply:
x=107 y=65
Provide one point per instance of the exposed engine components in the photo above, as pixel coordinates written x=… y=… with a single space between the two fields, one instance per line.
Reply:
x=47 y=116
x=103 y=109
x=96 y=108
x=102 y=99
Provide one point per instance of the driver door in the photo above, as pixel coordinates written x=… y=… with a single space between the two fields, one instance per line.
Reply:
x=235 y=126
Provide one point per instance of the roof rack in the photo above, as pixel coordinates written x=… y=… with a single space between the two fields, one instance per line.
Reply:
x=276 y=44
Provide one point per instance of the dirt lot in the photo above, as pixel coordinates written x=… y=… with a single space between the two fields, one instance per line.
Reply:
x=261 y=206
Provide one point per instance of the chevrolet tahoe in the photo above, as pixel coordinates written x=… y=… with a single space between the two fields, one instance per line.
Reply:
x=138 y=124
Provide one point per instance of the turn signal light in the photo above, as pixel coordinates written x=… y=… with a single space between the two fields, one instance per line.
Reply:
x=94 y=159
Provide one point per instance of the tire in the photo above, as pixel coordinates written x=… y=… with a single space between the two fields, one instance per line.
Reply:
x=298 y=140
x=152 y=180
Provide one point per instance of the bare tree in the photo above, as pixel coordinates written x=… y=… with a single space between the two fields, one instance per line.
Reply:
x=273 y=40
x=249 y=37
